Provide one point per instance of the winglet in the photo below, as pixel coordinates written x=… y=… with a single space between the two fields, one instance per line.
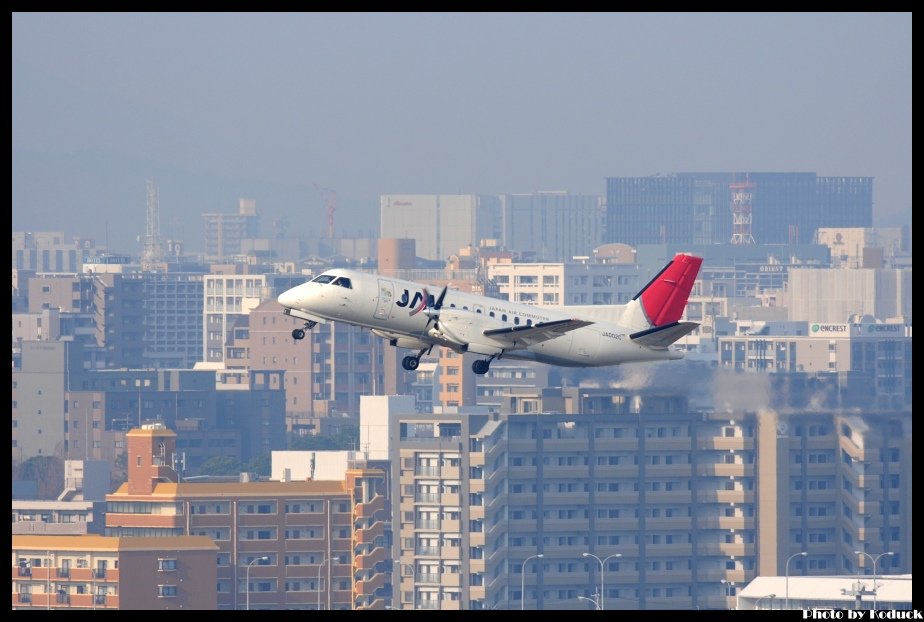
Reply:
x=666 y=295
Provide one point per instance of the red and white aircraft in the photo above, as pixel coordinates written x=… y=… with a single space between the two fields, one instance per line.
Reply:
x=410 y=316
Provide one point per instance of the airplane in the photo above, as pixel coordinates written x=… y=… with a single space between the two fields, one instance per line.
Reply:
x=409 y=316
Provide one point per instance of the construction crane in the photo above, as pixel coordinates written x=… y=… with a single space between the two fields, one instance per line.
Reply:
x=330 y=201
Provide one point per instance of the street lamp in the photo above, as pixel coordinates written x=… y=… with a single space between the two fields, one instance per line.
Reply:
x=523 y=577
x=413 y=586
x=321 y=565
x=770 y=596
x=803 y=554
x=596 y=604
x=875 y=561
x=602 y=570
x=247 y=575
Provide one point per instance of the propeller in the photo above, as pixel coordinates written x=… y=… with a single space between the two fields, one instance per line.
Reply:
x=433 y=312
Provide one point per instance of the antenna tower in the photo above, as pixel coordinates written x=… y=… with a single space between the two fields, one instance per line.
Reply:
x=330 y=201
x=742 y=196
x=152 y=252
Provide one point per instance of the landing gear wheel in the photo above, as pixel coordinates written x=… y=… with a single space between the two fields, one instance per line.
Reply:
x=410 y=363
x=298 y=334
x=481 y=367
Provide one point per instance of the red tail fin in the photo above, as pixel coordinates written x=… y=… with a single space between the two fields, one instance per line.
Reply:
x=665 y=296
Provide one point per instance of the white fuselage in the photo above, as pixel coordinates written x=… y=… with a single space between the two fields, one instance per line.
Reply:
x=394 y=309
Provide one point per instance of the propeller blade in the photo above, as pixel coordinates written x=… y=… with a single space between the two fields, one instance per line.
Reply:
x=433 y=312
x=439 y=300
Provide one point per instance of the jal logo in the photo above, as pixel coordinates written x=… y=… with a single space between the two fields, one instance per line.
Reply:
x=417 y=303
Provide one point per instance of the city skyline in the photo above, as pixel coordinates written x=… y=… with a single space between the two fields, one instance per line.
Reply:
x=263 y=106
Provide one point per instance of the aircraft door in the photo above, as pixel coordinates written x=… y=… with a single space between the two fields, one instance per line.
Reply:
x=384 y=300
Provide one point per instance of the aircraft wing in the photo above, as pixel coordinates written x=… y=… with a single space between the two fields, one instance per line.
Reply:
x=537 y=333
x=663 y=336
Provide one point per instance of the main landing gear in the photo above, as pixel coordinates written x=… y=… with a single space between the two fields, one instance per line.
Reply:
x=411 y=363
x=299 y=333
x=481 y=367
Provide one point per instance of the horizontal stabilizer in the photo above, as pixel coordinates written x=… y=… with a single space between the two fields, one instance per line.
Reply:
x=663 y=336
x=536 y=333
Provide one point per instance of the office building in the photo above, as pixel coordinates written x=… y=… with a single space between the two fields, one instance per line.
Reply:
x=551 y=226
x=695 y=208
x=441 y=224
x=49 y=251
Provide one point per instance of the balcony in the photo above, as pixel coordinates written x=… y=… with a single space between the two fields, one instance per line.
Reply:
x=24 y=597
x=369 y=586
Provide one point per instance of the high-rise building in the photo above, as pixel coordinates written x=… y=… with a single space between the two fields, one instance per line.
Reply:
x=635 y=501
x=229 y=299
x=441 y=224
x=225 y=232
x=695 y=208
x=326 y=373
x=552 y=226
x=49 y=251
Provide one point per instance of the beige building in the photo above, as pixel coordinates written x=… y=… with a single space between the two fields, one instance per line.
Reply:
x=441 y=224
x=859 y=247
x=229 y=299
x=97 y=572
x=836 y=295
x=558 y=284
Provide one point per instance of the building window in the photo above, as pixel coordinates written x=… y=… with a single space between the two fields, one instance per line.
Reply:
x=166 y=591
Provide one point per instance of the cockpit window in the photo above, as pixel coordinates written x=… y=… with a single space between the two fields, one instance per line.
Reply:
x=344 y=282
x=323 y=278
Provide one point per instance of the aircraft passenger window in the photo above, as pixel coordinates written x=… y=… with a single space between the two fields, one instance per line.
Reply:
x=324 y=278
x=516 y=320
x=452 y=305
x=529 y=322
x=504 y=317
x=464 y=307
x=477 y=310
x=491 y=313
x=344 y=282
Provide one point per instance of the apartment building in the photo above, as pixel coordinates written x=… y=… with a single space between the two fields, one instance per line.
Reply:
x=631 y=501
x=281 y=545
x=97 y=572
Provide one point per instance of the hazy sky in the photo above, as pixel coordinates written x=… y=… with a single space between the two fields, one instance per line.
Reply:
x=220 y=106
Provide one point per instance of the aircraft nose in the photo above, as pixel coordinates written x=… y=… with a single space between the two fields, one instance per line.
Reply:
x=288 y=298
